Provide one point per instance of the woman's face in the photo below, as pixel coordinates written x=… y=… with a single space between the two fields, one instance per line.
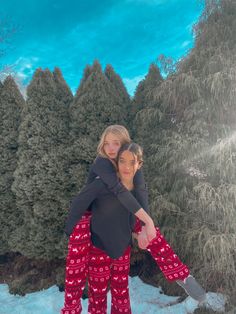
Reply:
x=111 y=145
x=128 y=164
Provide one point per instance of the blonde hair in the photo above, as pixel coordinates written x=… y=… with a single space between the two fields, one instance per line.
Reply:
x=118 y=130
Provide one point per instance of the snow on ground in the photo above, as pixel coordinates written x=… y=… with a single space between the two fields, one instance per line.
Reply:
x=145 y=299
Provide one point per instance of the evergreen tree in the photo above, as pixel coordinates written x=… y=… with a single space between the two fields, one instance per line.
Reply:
x=11 y=105
x=210 y=123
x=120 y=92
x=63 y=92
x=97 y=104
x=87 y=71
x=41 y=178
x=193 y=194
x=116 y=81
x=143 y=97
x=143 y=92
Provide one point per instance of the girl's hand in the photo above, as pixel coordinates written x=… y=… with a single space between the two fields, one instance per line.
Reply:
x=150 y=231
x=142 y=239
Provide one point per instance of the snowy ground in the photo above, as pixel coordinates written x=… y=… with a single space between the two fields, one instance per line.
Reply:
x=144 y=299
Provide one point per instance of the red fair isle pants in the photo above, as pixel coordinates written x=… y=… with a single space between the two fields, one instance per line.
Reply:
x=102 y=271
x=79 y=247
x=168 y=262
x=77 y=266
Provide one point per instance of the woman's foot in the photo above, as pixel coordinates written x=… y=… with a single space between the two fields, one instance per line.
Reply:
x=193 y=288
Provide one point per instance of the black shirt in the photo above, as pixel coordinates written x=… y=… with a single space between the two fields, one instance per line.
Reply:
x=111 y=223
x=103 y=168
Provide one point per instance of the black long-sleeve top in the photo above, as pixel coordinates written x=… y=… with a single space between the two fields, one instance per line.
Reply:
x=103 y=168
x=111 y=223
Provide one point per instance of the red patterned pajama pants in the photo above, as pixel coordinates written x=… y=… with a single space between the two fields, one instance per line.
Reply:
x=78 y=256
x=77 y=266
x=164 y=256
x=168 y=262
x=102 y=271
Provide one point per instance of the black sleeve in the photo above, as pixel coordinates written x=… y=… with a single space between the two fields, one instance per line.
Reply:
x=103 y=168
x=80 y=203
x=139 y=178
x=91 y=176
x=141 y=191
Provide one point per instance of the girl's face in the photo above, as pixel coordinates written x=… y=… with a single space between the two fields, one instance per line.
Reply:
x=128 y=164
x=111 y=145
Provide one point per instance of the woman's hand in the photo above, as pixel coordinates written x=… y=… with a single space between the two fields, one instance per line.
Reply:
x=150 y=230
x=142 y=239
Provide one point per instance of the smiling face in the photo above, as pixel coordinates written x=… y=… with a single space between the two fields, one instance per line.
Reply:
x=111 y=145
x=128 y=164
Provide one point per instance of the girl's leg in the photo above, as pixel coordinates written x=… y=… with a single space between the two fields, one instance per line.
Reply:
x=168 y=262
x=120 y=302
x=172 y=267
x=99 y=275
x=77 y=266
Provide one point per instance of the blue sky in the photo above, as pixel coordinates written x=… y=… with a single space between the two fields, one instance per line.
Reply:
x=129 y=34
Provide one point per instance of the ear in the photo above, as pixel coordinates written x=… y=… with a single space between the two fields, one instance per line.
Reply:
x=140 y=164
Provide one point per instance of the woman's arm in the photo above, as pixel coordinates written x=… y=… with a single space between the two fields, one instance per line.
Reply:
x=141 y=194
x=80 y=204
x=141 y=190
x=103 y=168
x=141 y=239
x=148 y=231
